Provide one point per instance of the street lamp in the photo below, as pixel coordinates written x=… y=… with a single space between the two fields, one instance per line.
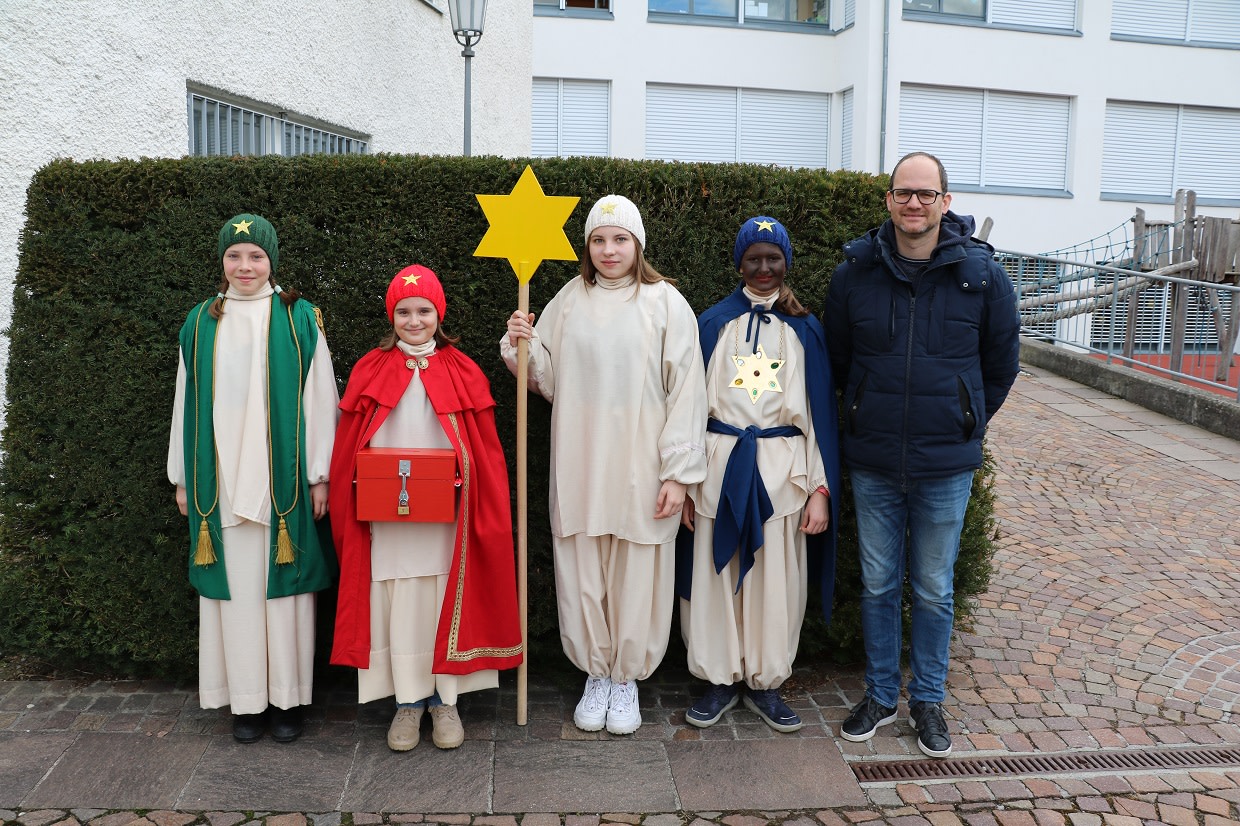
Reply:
x=467 y=17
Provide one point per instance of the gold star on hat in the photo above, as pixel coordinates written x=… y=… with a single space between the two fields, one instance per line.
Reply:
x=412 y=278
x=242 y=226
x=607 y=209
x=756 y=374
x=769 y=226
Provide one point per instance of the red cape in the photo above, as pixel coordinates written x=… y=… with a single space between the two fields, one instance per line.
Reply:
x=478 y=624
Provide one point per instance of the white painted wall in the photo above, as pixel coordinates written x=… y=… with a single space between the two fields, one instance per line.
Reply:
x=107 y=79
x=1089 y=67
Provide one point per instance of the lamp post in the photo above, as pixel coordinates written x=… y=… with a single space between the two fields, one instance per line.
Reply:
x=467 y=17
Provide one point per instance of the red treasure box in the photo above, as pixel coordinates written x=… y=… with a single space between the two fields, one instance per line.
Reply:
x=406 y=484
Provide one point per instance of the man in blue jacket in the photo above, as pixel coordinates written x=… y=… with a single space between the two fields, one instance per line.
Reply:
x=923 y=334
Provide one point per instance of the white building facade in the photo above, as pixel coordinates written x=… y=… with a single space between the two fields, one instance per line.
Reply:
x=1056 y=118
x=112 y=79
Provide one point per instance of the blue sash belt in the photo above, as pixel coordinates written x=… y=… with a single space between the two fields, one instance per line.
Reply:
x=744 y=505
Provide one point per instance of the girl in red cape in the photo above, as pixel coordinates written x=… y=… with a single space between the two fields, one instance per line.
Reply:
x=427 y=611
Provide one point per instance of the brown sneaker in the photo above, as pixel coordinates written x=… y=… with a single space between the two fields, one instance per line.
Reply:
x=403 y=734
x=448 y=733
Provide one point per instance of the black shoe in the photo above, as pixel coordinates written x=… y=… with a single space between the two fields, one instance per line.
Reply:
x=286 y=724
x=865 y=719
x=767 y=704
x=932 y=736
x=249 y=728
x=717 y=699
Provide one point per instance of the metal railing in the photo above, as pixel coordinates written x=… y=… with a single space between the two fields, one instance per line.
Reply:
x=1179 y=328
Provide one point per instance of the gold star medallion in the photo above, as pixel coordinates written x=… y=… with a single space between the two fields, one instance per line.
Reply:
x=769 y=226
x=756 y=374
x=242 y=226
x=412 y=278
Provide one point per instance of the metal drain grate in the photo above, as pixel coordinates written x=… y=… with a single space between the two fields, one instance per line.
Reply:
x=1069 y=762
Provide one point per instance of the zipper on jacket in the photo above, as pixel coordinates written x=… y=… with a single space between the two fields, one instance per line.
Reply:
x=908 y=377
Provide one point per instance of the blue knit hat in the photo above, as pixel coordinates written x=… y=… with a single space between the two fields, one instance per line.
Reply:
x=760 y=229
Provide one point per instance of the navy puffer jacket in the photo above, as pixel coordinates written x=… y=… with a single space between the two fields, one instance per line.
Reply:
x=924 y=366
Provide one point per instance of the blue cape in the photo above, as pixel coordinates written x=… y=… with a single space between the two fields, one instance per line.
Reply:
x=820 y=390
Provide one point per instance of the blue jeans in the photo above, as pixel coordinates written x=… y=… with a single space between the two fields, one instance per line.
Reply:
x=921 y=525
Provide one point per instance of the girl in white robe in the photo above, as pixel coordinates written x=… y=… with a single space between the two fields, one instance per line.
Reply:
x=616 y=353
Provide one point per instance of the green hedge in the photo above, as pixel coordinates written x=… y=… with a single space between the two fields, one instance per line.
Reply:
x=92 y=549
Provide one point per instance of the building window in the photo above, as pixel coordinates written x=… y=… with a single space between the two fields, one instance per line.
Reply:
x=564 y=5
x=989 y=139
x=570 y=117
x=725 y=125
x=1040 y=14
x=750 y=11
x=846 y=130
x=218 y=127
x=1151 y=150
x=1196 y=22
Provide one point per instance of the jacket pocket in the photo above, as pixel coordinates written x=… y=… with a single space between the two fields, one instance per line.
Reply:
x=854 y=409
x=966 y=409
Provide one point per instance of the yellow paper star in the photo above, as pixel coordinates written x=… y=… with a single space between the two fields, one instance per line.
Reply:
x=527 y=227
x=769 y=226
x=412 y=278
x=607 y=209
x=755 y=374
x=242 y=226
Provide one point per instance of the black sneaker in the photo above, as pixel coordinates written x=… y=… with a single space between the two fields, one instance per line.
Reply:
x=865 y=719
x=249 y=728
x=767 y=704
x=932 y=736
x=717 y=699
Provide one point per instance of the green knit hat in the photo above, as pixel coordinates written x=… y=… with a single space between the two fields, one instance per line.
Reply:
x=247 y=228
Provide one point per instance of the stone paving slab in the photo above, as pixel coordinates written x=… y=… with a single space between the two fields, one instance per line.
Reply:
x=24 y=760
x=626 y=776
x=270 y=776
x=120 y=771
x=426 y=779
x=763 y=774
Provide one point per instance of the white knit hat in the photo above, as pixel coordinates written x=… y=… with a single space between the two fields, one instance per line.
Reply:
x=616 y=211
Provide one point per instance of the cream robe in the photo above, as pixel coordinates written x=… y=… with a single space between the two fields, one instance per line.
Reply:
x=410 y=562
x=624 y=375
x=753 y=635
x=253 y=651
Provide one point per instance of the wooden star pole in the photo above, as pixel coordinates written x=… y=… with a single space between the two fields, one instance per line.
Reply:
x=527 y=228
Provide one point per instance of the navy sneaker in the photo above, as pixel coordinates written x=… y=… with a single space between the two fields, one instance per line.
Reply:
x=932 y=736
x=767 y=704
x=865 y=719
x=717 y=699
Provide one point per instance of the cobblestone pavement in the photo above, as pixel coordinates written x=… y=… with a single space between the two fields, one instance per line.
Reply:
x=1111 y=627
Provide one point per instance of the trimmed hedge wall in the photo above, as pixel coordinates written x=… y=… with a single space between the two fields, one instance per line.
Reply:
x=92 y=549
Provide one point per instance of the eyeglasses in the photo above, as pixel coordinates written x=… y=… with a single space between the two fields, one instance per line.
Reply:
x=925 y=197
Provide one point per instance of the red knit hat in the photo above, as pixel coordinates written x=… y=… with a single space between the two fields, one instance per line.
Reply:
x=416 y=281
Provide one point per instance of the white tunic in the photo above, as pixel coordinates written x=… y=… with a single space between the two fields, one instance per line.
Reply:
x=624 y=375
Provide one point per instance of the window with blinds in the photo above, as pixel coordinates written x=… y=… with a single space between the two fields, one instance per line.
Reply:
x=570 y=117
x=218 y=127
x=1150 y=150
x=989 y=139
x=723 y=124
x=1192 y=22
x=1038 y=14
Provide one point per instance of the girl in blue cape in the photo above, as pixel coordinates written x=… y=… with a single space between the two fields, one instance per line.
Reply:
x=768 y=504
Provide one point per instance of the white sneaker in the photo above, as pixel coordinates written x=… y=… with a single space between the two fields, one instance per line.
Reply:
x=591 y=712
x=623 y=716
